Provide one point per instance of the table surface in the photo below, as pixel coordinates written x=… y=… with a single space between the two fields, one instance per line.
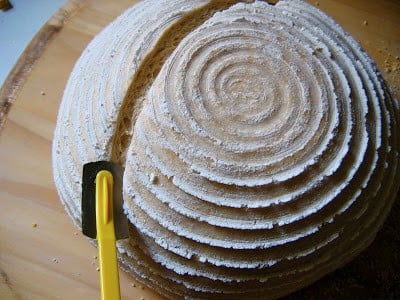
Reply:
x=42 y=254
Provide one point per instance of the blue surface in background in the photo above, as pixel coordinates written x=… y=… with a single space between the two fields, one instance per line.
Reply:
x=18 y=26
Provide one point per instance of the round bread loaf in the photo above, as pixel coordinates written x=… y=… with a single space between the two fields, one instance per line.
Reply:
x=259 y=144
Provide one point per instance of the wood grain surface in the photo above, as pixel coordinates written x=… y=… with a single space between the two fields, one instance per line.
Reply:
x=42 y=254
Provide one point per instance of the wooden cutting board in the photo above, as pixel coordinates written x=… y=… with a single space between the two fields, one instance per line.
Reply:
x=42 y=255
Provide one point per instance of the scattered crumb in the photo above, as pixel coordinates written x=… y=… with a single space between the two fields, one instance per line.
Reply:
x=142 y=298
x=317 y=3
x=75 y=233
x=34 y=225
x=133 y=285
x=141 y=287
x=93 y=263
x=390 y=66
x=55 y=260
x=94 y=256
x=98 y=269
x=365 y=22
x=42 y=93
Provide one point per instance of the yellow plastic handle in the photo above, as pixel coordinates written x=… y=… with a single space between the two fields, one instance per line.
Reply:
x=109 y=278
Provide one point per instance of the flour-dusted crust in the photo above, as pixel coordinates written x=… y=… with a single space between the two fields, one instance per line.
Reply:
x=260 y=144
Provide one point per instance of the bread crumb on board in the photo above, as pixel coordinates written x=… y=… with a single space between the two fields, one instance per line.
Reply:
x=55 y=260
x=389 y=63
x=391 y=68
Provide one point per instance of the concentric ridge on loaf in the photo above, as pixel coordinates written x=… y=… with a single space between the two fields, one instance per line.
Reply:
x=263 y=155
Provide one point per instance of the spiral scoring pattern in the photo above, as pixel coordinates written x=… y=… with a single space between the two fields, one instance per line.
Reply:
x=265 y=155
